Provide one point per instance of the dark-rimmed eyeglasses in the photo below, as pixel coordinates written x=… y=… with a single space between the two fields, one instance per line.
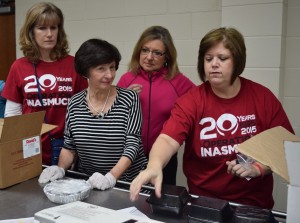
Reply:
x=155 y=53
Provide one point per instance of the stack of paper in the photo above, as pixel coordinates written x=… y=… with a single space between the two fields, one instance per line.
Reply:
x=81 y=212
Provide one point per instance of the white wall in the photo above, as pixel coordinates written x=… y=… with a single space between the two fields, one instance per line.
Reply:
x=263 y=24
x=270 y=27
x=292 y=65
x=122 y=21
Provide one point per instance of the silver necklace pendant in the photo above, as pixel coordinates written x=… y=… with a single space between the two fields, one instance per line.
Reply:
x=100 y=114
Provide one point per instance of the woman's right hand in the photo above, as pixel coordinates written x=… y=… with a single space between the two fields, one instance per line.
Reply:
x=136 y=87
x=154 y=176
x=51 y=173
x=158 y=158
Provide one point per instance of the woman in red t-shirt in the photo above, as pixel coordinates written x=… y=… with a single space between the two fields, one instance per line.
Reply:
x=212 y=119
x=45 y=78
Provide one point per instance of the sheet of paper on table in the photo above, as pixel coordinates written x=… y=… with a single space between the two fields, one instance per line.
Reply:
x=20 y=220
x=134 y=211
x=131 y=210
x=79 y=212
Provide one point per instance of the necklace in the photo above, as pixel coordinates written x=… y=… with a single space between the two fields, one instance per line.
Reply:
x=99 y=113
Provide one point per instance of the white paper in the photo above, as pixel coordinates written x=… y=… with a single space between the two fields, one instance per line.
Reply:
x=20 y=220
x=31 y=147
x=79 y=212
x=134 y=211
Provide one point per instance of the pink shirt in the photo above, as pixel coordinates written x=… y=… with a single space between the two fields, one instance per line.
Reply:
x=157 y=97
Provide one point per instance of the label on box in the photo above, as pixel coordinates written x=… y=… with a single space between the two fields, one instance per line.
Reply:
x=31 y=147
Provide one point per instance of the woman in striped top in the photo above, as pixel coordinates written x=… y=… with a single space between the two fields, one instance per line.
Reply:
x=103 y=122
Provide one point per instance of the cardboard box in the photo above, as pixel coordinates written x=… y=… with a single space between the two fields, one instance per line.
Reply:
x=20 y=147
x=280 y=150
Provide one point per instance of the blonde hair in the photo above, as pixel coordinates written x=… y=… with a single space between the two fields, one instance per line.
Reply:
x=43 y=13
x=154 y=33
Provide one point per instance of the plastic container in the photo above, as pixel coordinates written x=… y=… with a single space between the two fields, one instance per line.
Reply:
x=206 y=209
x=172 y=202
x=245 y=161
x=67 y=190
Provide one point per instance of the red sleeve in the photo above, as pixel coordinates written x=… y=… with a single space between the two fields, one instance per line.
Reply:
x=13 y=89
x=277 y=113
x=183 y=84
x=183 y=116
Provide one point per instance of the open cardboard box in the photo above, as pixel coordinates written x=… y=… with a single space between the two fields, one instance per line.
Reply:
x=20 y=147
x=280 y=150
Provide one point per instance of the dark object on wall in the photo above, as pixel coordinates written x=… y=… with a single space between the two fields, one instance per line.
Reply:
x=7 y=6
x=7 y=41
x=172 y=202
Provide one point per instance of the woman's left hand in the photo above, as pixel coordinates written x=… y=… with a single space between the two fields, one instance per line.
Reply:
x=136 y=87
x=242 y=171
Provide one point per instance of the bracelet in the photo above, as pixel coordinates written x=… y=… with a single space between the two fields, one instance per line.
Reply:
x=260 y=169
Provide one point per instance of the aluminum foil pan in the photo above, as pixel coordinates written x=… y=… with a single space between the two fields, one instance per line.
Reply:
x=67 y=190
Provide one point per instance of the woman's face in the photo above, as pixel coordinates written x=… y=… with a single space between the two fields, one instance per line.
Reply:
x=152 y=55
x=46 y=36
x=218 y=66
x=102 y=76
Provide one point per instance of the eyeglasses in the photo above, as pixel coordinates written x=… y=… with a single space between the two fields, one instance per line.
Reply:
x=155 y=53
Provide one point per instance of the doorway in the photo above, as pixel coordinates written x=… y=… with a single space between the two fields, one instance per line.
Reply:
x=7 y=37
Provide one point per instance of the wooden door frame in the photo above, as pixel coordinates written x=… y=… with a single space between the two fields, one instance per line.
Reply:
x=7 y=43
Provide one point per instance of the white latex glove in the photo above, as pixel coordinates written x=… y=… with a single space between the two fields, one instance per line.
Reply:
x=111 y=180
x=97 y=180
x=51 y=173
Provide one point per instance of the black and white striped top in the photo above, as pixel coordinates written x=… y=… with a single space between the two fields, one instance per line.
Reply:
x=100 y=142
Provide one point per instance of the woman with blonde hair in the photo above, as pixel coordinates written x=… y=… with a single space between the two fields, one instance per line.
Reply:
x=45 y=78
x=154 y=74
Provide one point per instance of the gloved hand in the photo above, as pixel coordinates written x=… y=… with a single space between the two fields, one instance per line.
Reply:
x=97 y=180
x=51 y=173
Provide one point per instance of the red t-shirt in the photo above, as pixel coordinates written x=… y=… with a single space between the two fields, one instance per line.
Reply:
x=58 y=83
x=211 y=127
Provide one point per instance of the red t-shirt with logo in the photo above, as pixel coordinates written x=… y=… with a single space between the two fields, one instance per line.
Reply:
x=211 y=127
x=58 y=83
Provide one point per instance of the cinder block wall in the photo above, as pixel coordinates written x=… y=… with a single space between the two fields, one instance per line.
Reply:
x=270 y=27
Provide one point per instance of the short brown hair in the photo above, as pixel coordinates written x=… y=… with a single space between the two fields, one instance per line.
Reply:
x=233 y=40
x=95 y=52
x=154 y=33
x=43 y=13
